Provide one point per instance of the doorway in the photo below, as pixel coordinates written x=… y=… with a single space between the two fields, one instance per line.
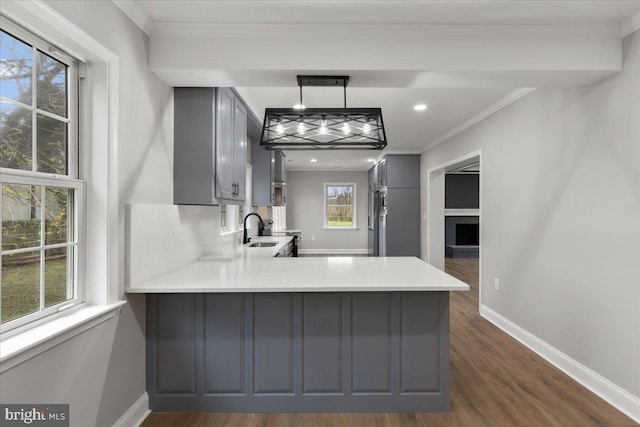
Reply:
x=454 y=219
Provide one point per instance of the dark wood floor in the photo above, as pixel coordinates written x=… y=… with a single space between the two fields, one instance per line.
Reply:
x=495 y=381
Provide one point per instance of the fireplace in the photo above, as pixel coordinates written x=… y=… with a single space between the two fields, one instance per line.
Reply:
x=467 y=234
x=462 y=236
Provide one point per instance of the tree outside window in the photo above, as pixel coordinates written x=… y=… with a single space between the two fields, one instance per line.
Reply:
x=40 y=189
x=340 y=205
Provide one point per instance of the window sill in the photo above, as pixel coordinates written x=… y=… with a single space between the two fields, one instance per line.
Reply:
x=340 y=228
x=229 y=232
x=22 y=346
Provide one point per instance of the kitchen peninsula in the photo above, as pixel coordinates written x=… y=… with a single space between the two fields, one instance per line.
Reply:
x=316 y=334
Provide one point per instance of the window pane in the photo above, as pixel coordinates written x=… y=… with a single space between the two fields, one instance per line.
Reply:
x=16 y=64
x=339 y=206
x=52 y=145
x=339 y=195
x=56 y=271
x=56 y=208
x=340 y=216
x=52 y=84
x=20 y=217
x=20 y=285
x=16 y=150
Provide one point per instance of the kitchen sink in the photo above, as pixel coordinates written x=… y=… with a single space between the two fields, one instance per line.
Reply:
x=262 y=244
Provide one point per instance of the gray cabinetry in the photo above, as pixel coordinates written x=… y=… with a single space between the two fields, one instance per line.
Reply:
x=381 y=173
x=210 y=140
x=401 y=171
x=269 y=176
x=395 y=206
x=298 y=352
x=373 y=178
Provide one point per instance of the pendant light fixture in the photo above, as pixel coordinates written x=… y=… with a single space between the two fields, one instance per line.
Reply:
x=323 y=128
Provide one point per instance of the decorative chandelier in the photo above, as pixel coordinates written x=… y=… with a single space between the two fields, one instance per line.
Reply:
x=303 y=128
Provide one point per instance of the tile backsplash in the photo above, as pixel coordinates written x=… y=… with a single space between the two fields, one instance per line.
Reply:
x=163 y=238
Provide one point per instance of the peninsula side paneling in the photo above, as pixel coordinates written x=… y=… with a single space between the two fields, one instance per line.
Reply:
x=298 y=352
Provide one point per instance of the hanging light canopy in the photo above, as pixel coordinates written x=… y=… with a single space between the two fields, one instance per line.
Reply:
x=323 y=128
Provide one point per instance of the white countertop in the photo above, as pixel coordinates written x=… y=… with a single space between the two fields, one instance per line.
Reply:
x=257 y=271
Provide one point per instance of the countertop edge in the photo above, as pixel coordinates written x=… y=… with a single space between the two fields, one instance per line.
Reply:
x=289 y=290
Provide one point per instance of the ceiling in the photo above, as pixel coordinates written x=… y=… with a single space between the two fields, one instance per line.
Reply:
x=382 y=45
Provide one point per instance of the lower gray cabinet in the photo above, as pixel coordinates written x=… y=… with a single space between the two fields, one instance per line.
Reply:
x=298 y=352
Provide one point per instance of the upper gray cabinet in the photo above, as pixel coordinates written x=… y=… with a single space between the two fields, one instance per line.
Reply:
x=381 y=170
x=269 y=176
x=396 y=171
x=210 y=142
x=373 y=178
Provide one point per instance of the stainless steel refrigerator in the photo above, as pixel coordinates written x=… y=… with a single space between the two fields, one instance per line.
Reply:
x=380 y=223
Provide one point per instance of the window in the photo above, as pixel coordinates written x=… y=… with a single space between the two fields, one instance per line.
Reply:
x=231 y=217
x=340 y=205
x=42 y=197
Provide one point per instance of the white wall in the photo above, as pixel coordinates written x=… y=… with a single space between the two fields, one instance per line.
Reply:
x=561 y=217
x=101 y=372
x=305 y=208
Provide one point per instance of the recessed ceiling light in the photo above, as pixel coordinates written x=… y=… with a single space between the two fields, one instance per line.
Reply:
x=314 y=160
x=371 y=160
x=420 y=107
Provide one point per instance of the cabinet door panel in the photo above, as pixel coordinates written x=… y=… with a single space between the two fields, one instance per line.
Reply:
x=371 y=345
x=224 y=144
x=239 y=148
x=175 y=344
x=419 y=342
x=322 y=340
x=273 y=343
x=224 y=343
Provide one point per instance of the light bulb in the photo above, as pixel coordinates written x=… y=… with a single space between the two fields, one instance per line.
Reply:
x=366 y=128
x=280 y=129
x=299 y=107
x=301 y=128
x=346 y=129
x=323 y=127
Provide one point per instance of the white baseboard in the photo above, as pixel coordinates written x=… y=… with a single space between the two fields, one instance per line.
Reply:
x=621 y=399
x=136 y=414
x=364 y=251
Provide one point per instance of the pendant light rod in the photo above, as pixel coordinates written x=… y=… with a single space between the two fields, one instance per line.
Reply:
x=305 y=80
x=345 y=94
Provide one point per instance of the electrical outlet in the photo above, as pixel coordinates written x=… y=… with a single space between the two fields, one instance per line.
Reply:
x=496 y=284
x=313 y=237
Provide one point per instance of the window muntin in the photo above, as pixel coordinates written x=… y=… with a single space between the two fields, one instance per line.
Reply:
x=34 y=113
x=41 y=197
x=340 y=205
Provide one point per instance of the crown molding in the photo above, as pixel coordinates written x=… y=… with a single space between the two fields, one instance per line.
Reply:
x=335 y=169
x=136 y=14
x=630 y=24
x=431 y=31
x=492 y=109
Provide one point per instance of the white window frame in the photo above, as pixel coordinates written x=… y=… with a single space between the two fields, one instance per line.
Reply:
x=48 y=180
x=354 y=211
x=104 y=281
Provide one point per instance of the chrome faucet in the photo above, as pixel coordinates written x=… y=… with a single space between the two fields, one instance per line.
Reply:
x=246 y=239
